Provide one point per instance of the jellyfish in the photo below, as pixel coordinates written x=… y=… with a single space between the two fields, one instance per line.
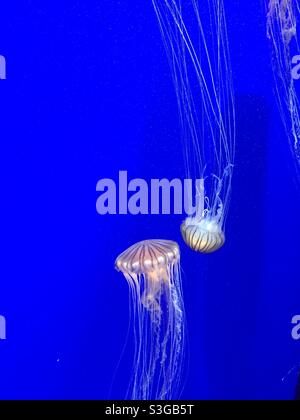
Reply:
x=152 y=271
x=282 y=32
x=196 y=42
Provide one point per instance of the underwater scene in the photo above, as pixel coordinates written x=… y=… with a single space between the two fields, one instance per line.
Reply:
x=150 y=167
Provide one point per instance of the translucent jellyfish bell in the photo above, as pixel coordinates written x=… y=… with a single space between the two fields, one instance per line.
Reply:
x=204 y=232
x=150 y=258
x=152 y=270
x=204 y=236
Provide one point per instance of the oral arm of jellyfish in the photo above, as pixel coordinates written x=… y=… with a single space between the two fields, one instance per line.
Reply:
x=196 y=42
x=283 y=11
x=152 y=271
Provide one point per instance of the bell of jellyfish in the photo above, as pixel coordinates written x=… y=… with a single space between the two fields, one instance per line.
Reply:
x=195 y=38
x=152 y=271
x=282 y=31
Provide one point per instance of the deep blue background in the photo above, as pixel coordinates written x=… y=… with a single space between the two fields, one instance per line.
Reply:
x=88 y=94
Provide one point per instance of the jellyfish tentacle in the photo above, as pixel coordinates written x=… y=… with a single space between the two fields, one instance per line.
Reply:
x=282 y=22
x=196 y=41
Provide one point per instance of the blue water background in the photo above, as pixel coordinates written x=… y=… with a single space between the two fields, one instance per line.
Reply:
x=88 y=94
